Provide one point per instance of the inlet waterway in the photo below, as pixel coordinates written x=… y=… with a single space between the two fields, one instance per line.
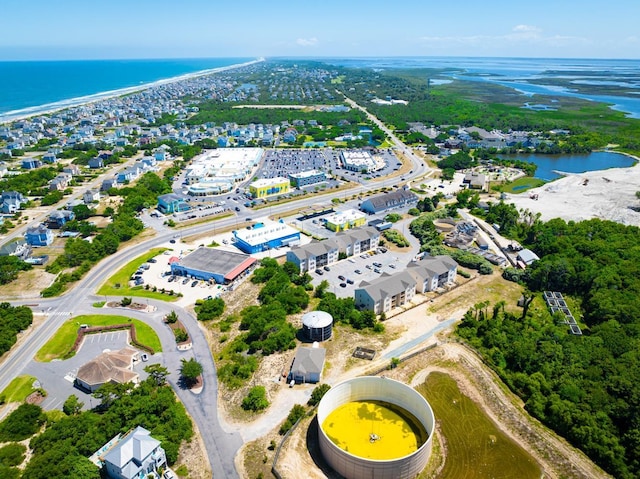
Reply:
x=549 y=165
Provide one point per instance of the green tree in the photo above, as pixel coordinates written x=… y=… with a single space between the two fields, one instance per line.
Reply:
x=318 y=393
x=72 y=405
x=256 y=399
x=190 y=370
x=157 y=373
x=210 y=309
x=22 y=423
x=171 y=317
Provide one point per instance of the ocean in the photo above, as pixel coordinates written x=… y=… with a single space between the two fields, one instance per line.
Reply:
x=27 y=87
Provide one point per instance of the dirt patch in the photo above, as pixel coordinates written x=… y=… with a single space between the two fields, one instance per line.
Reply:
x=28 y=285
x=35 y=397
x=193 y=456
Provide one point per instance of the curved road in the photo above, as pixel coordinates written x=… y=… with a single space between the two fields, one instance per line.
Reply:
x=221 y=445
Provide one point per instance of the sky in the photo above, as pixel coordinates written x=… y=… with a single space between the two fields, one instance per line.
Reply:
x=101 y=29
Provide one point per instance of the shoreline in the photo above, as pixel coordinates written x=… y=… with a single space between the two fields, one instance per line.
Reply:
x=47 y=108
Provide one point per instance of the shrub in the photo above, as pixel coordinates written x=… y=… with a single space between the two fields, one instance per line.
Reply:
x=12 y=454
x=297 y=412
x=22 y=423
x=256 y=399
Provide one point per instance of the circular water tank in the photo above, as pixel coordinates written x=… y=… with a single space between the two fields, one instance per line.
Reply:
x=372 y=388
x=316 y=325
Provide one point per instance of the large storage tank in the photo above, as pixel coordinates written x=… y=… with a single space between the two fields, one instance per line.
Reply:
x=316 y=325
x=370 y=428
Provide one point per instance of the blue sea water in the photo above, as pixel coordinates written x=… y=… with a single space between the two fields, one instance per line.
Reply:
x=28 y=84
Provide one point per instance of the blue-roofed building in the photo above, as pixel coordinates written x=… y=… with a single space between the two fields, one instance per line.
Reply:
x=172 y=203
x=39 y=236
x=135 y=456
x=31 y=163
x=265 y=236
x=306 y=178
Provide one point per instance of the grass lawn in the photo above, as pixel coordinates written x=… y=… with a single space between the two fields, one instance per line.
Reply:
x=60 y=345
x=522 y=184
x=476 y=448
x=122 y=278
x=18 y=389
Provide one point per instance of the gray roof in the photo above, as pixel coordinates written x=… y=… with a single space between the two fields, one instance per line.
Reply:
x=308 y=361
x=138 y=444
x=527 y=256
x=432 y=266
x=390 y=199
x=387 y=285
x=313 y=249
x=109 y=366
x=357 y=234
x=214 y=260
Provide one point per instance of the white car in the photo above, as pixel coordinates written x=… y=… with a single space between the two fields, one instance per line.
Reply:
x=168 y=474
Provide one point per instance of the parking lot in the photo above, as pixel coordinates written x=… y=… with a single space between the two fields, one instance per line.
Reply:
x=364 y=267
x=57 y=377
x=284 y=162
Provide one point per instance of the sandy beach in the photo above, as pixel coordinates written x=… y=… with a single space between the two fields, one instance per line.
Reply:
x=605 y=194
x=85 y=100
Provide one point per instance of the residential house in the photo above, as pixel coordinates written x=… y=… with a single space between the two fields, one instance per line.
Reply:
x=71 y=169
x=18 y=248
x=12 y=201
x=96 y=163
x=307 y=365
x=109 y=183
x=475 y=180
x=49 y=158
x=31 y=163
x=136 y=456
x=58 y=218
x=91 y=196
x=39 y=236
x=290 y=135
x=129 y=174
x=385 y=292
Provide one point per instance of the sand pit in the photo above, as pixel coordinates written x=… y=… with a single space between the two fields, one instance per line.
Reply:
x=606 y=194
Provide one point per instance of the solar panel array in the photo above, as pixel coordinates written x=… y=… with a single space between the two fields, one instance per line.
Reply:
x=556 y=303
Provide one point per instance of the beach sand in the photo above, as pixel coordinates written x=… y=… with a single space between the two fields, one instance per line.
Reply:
x=606 y=194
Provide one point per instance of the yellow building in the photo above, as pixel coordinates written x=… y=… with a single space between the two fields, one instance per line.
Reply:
x=269 y=186
x=345 y=220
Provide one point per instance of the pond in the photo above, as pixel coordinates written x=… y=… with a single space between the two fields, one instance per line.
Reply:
x=548 y=165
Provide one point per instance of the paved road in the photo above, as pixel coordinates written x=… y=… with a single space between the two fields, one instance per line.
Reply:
x=221 y=446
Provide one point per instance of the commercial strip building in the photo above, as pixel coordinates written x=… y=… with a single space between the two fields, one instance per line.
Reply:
x=172 y=203
x=269 y=187
x=392 y=290
x=265 y=236
x=307 y=178
x=324 y=253
x=223 y=267
x=388 y=201
x=222 y=166
x=108 y=367
x=361 y=161
x=345 y=220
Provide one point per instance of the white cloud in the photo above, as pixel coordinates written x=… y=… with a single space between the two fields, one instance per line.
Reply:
x=307 y=42
x=525 y=28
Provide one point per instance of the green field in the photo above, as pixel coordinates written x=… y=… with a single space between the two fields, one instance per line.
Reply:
x=122 y=276
x=522 y=184
x=18 y=389
x=476 y=448
x=59 y=346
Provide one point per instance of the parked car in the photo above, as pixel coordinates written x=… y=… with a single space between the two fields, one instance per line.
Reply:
x=341 y=278
x=144 y=357
x=152 y=260
x=357 y=271
x=172 y=241
x=392 y=266
x=343 y=285
x=193 y=285
x=185 y=281
x=172 y=279
x=326 y=268
x=319 y=272
x=376 y=270
x=349 y=281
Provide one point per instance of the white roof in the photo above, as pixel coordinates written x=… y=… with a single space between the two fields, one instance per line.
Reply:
x=317 y=319
x=262 y=182
x=264 y=232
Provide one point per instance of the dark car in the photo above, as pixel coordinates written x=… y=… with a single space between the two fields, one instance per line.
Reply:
x=152 y=260
x=172 y=241
x=341 y=278
x=185 y=281
x=194 y=283
x=319 y=271
x=237 y=208
x=343 y=285
x=349 y=281
x=326 y=268
x=358 y=271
